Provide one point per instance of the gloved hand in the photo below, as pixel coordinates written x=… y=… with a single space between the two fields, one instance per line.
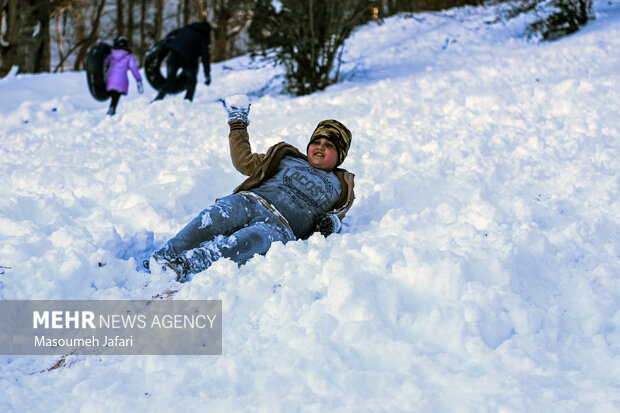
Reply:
x=208 y=80
x=140 y=88
x=238 y=108
x=327 y=224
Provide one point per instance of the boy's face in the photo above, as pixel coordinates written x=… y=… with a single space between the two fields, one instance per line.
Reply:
x=322 y=154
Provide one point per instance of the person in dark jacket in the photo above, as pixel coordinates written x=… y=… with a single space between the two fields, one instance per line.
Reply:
x=186 y=45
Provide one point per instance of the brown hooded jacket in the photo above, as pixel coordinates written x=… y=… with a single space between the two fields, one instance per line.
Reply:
x=258 y=166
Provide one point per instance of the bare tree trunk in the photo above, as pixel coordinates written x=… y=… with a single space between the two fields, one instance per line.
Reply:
x=59 y=44
x=63 y=14
x=142 y=47
x=186 y=12
x=159 y=19
x=201 y=9
x=88 y=41
x=59 y=14
x=44 y=58
x=228 y=20
x=130 y=23
x=10 y=43
x=221 y=17
x=33 y=55
x=120 y=18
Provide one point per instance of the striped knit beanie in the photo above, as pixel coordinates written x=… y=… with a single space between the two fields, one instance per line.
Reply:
x=336 y=133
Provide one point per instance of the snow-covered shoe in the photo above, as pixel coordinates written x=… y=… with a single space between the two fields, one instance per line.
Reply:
x=175 y=267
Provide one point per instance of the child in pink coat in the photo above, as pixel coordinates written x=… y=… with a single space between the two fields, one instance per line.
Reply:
x=117 y=63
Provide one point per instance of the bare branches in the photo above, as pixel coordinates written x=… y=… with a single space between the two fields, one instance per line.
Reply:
x=307 y=37
x=91 y=38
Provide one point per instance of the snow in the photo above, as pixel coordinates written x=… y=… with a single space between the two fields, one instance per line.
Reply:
x=478 y=270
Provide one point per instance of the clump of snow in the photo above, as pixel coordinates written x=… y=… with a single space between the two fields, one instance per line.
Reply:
x=238 y=101
x=478 y=270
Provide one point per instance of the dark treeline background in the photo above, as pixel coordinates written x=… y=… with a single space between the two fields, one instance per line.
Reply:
x=55 y=35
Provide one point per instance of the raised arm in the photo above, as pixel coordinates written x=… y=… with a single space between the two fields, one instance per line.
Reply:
x=238 y=108
x=240 y=149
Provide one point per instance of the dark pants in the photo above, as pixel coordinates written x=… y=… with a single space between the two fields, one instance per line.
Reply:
x=115 y=96
x=174 y=62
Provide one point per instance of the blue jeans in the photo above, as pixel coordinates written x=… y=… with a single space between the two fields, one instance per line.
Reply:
x=237 y=227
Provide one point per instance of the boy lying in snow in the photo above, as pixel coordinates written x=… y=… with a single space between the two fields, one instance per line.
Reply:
x=288 y=196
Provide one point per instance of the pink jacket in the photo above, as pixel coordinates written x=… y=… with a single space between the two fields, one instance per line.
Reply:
x=117 y=63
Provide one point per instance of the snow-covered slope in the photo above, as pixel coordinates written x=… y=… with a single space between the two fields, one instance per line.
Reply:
x=478 y=271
